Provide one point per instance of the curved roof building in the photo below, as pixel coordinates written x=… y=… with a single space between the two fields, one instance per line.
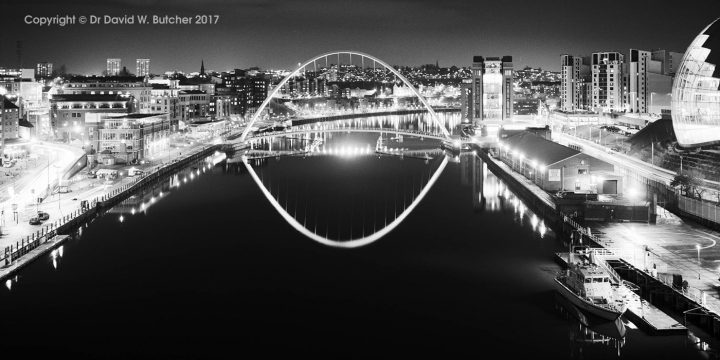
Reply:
x=696 y=91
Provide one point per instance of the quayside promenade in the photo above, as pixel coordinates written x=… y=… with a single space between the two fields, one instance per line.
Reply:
x=26 y=242
x=674 y=262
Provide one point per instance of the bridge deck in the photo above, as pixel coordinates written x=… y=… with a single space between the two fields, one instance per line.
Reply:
x=347 y=130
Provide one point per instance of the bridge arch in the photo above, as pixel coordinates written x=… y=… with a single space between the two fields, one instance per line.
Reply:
x=279 y=86
x=351 y=243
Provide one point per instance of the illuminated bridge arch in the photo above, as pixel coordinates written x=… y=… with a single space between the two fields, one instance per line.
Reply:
x=354 y=242
x=302 y=66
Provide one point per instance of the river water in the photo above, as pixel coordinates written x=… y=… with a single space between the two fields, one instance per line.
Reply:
x=205 y=264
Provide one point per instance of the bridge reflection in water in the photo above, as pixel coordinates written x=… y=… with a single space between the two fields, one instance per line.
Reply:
x=351 y=216
x=393 y=215
x=371 y=215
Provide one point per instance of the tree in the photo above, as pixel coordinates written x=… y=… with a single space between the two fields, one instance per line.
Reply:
x=689 y=183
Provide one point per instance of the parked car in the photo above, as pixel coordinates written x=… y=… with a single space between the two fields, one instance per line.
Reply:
x=43 y=215
x=571 y=195
x=35 y=221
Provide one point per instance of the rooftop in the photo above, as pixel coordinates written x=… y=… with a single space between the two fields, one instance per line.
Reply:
x=9 y=105
x=135 y=116
x=539 y=149
x=114 y=79
x=89 y=97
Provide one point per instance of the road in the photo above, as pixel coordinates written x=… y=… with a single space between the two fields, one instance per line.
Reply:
x=15 y=225
x=633 y=164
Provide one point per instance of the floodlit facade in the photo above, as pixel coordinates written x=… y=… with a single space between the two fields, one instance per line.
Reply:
x=607 y=81
x=696 y=91
x=492 y=90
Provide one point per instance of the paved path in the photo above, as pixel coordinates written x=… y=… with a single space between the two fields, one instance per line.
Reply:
x=673 y=248
x=57 y=205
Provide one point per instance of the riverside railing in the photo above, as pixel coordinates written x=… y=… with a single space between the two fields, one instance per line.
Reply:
x=701 y=208
x=45 y=233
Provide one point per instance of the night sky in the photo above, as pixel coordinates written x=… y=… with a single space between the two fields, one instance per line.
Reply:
x=281 y=33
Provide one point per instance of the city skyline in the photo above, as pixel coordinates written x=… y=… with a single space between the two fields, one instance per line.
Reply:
x=450 y=33
x=360 y=178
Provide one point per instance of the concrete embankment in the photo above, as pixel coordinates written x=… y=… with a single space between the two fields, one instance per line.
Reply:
x=50 y=236
x=538 y=202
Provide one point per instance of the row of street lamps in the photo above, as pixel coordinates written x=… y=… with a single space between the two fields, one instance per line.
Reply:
x=520 y=157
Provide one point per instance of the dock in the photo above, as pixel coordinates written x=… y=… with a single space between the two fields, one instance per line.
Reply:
x=42 y=246
x=642 y=313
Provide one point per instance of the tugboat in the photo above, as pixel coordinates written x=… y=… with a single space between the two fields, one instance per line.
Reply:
x=591 y=287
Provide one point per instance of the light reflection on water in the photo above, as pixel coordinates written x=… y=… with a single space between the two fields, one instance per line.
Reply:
x=297 y=182
x=591 y=333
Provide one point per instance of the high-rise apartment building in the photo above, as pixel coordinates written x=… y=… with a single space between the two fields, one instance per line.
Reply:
x=607 y=81
x=113 y=67
x=636 y=86
x=43 y=70
x=466 y=99
x=142 y=67
x=492 y=90
x=575 y=83
x=648 y=83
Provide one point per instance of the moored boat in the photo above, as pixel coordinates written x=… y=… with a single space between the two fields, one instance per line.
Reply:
x=593 y=289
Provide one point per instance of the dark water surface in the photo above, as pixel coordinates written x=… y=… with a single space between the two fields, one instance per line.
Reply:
x=211 y=268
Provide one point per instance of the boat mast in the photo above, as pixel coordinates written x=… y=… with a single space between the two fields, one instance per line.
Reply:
x=570 y=248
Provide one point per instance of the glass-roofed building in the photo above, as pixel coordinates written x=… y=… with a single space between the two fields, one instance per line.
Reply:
x=696 y=91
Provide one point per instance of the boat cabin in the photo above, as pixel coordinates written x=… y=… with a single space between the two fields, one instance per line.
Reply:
x=590 y=281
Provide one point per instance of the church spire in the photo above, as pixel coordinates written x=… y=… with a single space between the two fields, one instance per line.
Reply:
x=202 y=67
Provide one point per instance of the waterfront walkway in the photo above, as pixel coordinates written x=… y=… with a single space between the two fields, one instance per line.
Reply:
x=536 y=190
x=672 y=247
x=16 y=227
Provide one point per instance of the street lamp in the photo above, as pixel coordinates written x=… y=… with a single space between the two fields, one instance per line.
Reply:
x=681 y=169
